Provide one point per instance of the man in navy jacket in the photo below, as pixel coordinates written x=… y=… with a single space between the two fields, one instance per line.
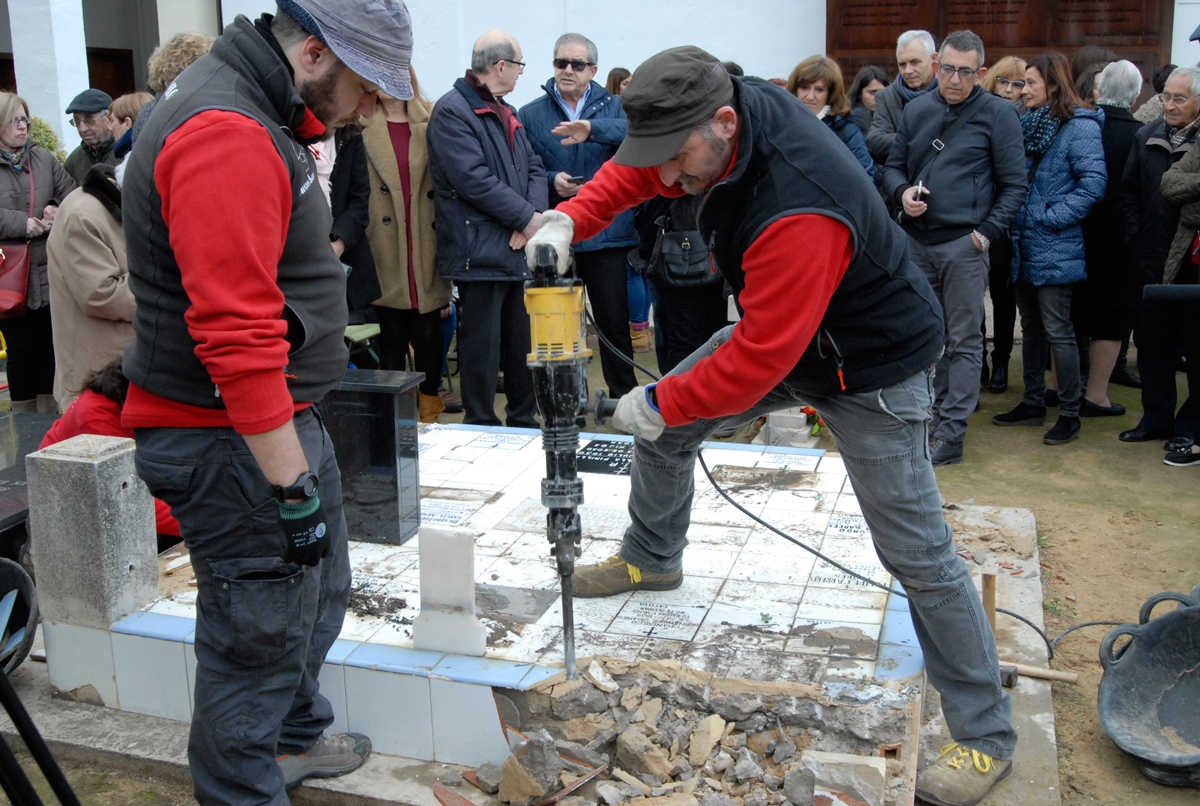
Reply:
x=488 y=186
x=575 y=128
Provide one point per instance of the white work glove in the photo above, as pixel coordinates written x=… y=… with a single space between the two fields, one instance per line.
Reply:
x=636 y=415
x=557 y=230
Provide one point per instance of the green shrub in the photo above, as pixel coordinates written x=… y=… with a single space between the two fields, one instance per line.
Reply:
x=42 y=135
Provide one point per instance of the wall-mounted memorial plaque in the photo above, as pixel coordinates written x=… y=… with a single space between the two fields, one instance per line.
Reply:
x=864 y=31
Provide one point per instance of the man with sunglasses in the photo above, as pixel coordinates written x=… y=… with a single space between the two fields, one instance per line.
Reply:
x=956 y=171
x=575 y=127
x=89 y=111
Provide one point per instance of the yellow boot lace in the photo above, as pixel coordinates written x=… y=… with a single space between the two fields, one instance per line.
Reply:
x=635 y=573
x=956 y=756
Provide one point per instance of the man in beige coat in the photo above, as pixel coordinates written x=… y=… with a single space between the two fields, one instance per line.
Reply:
x=400 y=232
x=89 y=284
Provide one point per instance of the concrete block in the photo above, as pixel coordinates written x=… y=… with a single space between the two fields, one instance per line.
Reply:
x=863 y=777
x=91 y=531
x=447 y=621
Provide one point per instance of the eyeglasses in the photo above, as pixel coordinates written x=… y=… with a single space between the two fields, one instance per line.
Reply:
x=93 y=119
x=1011 y=82
x=520 y=65
x=578 y=65
x=964 y=73
x=1177 y=100
x=19 y=121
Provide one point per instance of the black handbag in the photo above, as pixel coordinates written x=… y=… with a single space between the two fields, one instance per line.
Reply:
x=681 y=258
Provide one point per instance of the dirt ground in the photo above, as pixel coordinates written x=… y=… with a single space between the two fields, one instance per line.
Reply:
x=1115 y=526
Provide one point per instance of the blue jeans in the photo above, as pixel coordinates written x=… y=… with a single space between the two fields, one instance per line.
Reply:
x=883 y=438
x=639 y=295
x=263 y=626
x=1046 y=328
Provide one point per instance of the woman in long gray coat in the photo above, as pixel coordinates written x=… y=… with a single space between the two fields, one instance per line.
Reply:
x=30 y=344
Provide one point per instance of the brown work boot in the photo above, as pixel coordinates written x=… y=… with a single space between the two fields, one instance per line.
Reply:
x=430 y=406
x=614 y=575
x=960 y=777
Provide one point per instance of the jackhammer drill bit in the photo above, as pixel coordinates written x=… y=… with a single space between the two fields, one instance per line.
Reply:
x=558 y=363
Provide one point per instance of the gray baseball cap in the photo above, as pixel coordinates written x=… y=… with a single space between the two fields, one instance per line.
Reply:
x=668 y=96
x=371 y=37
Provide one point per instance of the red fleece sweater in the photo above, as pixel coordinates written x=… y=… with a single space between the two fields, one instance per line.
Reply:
x=792 y=269
x=227 y=200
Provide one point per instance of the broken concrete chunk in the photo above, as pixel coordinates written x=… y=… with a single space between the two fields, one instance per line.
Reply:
x=576 y=801
x=576 y=698
x=772 y=782
x=450 y=778
x=674 y=799
x=539 y=756
x=746 y=767
x=577 y=752
x=517 y=785
x=717 y=800
x=704 y=738
x=585 y=729
x=649 y=711
x=609 y=793
x=861 y=777
x=636 y=752
x=631 y=697
x=600 y=678
x=488 y=776
x=783 y=751
x=757 y=797
x=734 y=741
x=721 y=762
x=798 y=785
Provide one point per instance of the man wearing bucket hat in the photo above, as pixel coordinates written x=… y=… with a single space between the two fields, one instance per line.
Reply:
x=238 y=332
x=835 y=315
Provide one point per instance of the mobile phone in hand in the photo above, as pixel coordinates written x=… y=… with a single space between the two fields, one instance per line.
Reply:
x=576 y=180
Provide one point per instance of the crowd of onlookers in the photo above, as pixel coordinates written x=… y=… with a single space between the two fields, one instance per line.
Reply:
x=1058 y=187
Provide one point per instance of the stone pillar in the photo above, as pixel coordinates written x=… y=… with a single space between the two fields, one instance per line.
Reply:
x=50 y=59
x=91 y=531
x=447 y=621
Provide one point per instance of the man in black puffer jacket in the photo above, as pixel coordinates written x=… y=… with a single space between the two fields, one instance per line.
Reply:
x=488 y=186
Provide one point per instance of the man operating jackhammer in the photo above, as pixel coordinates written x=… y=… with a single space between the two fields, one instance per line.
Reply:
x=834 y=315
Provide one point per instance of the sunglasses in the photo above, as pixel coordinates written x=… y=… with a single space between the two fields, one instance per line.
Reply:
x=578 y=65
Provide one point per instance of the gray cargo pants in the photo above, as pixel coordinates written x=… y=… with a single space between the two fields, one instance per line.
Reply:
x=882 y=436
x=263 y=626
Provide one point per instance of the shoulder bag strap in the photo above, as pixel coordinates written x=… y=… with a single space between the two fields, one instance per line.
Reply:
x=938 y=144
x=29 y=170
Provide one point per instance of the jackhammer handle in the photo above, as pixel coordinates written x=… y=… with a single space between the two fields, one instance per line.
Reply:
x=605 y=407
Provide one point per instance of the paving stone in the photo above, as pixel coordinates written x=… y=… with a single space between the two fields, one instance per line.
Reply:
x=861 y=777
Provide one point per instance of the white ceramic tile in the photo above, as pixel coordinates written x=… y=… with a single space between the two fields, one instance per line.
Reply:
x=519 y=573
x=815 y=613
x=831 y=464
x=800 y=499
x=590 y=614
x=787 y=566
x=659 y=620
x=189 y=664
x=393 y=709
x=359 y=628
x=466 y=724
x=789 y=461
x=768 y=619
x=848 y=599
x=711 y=535
x=596 y=550
x=835 y=638
x=850 y=668
x=530 y=644
x=826 y=576
x=176 y=605
x=332 y=682
x=708 y=561
x=495 y=542
x=590 y=644
x=831 y=481
x=81 y=656
x=848 y=503
x=151 y=676
x=530 y=546
x=745 y=594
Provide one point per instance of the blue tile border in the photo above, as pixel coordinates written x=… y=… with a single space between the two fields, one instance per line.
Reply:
x=898 y=629
x=483 y=671
x=393 y=659
x=536 y=675
x=610 y=437
x=493 y=429
x=157 y=625
x=896 y=662
x=792 y=450
x=341 y=650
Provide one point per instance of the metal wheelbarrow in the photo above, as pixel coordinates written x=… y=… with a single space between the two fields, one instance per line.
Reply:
x=1149 y=698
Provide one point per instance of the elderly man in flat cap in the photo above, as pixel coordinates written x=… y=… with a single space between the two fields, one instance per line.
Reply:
x=90 y=115
x=241 y=305
x=835 y=315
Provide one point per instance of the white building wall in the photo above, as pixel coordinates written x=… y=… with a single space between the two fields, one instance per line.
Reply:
x=50 y=61
x=1187 y=17
x=767 y=37
x=177 y=16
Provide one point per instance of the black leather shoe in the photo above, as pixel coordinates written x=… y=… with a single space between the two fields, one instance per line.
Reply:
x=1125 y=377
x=999 y=382
x=1064 y=430
x=1023 y=414
x=1089 y=409
x=1178 y=444
x=1142 y=434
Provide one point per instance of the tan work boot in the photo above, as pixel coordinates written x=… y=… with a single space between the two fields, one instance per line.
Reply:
x=641 y=338
x=960 y=777
x=614 y=575
x=429 y=407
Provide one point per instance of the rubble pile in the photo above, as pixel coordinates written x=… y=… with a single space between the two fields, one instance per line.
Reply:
x=658 y=733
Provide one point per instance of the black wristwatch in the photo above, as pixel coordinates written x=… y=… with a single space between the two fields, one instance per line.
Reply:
x=305 y=486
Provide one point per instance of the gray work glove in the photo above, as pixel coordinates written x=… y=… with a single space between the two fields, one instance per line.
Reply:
x=557 y=230
x=637 y=414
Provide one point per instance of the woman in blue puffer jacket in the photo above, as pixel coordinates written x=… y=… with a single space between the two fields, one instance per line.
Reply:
x=1065 y=157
